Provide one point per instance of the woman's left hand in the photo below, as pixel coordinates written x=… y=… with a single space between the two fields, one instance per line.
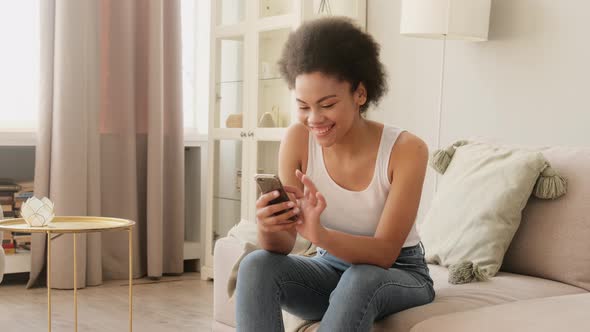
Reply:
x=311 y=204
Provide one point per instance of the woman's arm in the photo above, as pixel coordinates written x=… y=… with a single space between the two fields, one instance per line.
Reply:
x=409 y=159
x=283 y=240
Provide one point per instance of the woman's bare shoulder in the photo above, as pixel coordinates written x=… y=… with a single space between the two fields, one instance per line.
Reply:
x=408 y=139
x=408 y=148
x=295 y=142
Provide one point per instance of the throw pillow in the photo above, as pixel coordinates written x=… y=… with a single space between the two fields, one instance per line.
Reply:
x=477 y=207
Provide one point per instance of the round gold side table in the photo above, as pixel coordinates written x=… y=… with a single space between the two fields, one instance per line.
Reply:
x=74 y=225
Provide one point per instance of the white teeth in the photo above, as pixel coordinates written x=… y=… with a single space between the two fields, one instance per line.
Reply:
x=322 y=130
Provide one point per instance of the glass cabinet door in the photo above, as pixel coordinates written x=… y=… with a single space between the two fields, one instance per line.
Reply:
x=227 y=186
x=229 y=85
x=267 y=8
x=230 y=11
x=348 y=8
x=267 y=157
x=267 y=162
x=274 y=98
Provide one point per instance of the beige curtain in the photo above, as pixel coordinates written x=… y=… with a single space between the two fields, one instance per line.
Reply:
x=111 y=135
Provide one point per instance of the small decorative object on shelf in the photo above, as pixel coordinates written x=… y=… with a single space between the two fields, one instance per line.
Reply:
x=267 y=121
x=37 y=212
x=234 y=121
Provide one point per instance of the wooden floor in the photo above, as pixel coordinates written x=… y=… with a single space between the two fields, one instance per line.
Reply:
x=182 y=303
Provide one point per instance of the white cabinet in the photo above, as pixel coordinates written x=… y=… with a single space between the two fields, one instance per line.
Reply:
x=251 y=105
x=17 y=153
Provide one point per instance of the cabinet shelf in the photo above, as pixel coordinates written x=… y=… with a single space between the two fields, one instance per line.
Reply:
x=230 y=82
x=275 y=22
x=234 y=31
x=271 y=79
x=18 y=263
x=192 y=250
x=228 y=198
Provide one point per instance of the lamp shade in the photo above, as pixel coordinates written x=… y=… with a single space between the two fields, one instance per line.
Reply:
x=453 y=19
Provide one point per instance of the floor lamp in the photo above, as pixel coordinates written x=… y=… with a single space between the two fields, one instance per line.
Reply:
x=445 y=20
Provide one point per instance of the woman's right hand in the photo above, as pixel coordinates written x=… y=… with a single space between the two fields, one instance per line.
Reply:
x=270 y=223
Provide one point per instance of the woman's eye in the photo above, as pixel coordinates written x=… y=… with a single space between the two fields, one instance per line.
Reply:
x=303 y=108
x=328 y=106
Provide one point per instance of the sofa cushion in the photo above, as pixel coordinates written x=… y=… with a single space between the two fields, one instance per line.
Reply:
x=553 y=240
x=478 y=205
x=503 y=288
x=549 y=314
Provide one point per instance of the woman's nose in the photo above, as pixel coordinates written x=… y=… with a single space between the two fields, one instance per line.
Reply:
x=315 y=116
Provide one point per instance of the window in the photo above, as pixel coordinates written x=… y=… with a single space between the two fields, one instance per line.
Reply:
x=20 y=70
x=19 y=65
x=195 y=17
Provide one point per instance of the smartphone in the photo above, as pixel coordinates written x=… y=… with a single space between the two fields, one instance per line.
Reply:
x=270 y=182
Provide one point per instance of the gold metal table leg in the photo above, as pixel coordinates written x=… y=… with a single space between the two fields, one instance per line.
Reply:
x=75 y=287
x=49 y=281
x=130 y=279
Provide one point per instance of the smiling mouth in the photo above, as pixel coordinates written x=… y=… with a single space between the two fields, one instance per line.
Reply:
x=322 y=131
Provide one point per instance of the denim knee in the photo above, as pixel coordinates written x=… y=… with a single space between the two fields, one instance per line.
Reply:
x=259 y=265
x=362 y=274
x=357 y=279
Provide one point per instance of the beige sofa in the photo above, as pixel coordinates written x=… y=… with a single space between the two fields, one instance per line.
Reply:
x=544 y=283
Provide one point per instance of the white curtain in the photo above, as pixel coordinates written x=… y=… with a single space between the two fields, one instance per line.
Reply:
x=111 y=135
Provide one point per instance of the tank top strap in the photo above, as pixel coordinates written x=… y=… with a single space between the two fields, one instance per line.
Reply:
x=312 y=156
x=389 y=137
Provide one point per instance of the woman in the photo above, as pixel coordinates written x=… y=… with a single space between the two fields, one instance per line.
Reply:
x=355 y=187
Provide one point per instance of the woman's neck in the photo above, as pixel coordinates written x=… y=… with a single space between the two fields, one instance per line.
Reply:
x=354 y=141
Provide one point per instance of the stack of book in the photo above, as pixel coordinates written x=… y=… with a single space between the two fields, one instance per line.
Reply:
x=7 y=190
x=8 y=243
x=16 y=243
x=12 y=196
x=26 y=191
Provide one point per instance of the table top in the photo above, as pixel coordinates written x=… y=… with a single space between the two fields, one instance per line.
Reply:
x=69 y=224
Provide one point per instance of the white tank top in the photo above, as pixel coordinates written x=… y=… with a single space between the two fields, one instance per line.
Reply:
x=356 y=212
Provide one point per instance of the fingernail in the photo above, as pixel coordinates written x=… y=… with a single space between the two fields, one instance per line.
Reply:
x=290 y=204
x=296 y=210
x=300 y=222
x=275 y=194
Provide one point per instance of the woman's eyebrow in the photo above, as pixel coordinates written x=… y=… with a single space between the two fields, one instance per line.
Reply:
x=319 y=100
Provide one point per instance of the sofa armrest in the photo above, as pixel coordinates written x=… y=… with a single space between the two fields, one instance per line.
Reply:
x=547 y=314
x=227 y=251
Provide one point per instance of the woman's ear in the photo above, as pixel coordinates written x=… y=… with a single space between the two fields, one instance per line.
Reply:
x=360 y=94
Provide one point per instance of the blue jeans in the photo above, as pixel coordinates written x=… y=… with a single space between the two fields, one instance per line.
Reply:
x=345 y=297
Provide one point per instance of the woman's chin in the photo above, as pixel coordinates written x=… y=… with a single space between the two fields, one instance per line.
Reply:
x=326 y=141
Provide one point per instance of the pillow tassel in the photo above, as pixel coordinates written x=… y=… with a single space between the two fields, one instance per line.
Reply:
x=466 y=272
x=550 y=185
x=442 y=158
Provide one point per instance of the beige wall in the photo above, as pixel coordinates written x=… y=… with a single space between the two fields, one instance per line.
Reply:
x=529 y=84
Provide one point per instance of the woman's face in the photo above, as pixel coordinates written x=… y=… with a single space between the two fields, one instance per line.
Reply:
x=326 y=106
